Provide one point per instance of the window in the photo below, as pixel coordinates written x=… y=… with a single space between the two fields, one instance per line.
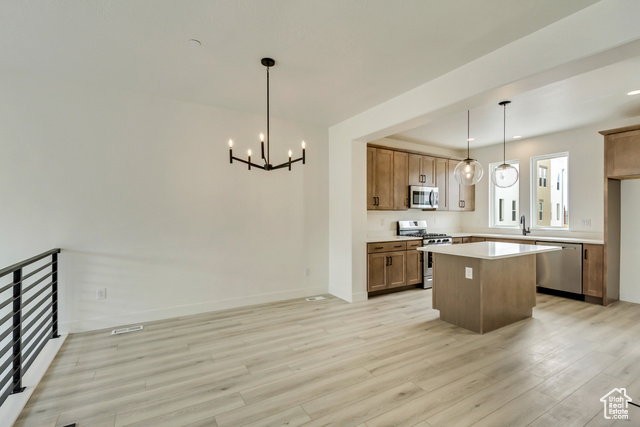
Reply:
x=501 y=199
x=540 y=210
x=542 y=176
x=550 y=199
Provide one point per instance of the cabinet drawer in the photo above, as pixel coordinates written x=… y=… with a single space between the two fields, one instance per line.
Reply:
x=373 y=248
x=413 y=244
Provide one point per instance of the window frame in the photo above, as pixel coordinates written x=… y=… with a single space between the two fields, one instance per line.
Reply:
x=493 y=211
x=533 y=191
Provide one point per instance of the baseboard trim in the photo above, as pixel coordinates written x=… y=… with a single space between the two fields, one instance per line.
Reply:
x=122 y=319
x=12 y=407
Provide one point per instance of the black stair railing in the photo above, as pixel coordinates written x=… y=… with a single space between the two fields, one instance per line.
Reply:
x=28 y=316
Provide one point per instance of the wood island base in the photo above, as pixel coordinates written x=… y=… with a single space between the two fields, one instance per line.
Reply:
x=501 y=291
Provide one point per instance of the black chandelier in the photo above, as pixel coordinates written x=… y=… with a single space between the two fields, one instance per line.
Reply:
x=267 y=166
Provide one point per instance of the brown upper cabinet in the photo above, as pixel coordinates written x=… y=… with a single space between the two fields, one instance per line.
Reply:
x=400 y=181
x=442 y=178
x=461 y=197
x=379 y=179
x=422 y=170
x=622 y=154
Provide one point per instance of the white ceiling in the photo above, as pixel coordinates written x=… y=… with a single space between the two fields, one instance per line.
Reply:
x=587 y=98
x=335 y=58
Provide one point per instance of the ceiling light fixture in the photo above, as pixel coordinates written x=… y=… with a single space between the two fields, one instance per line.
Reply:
x=634 y=92
x=505 y=175
x=468 y=171
x=517 y=136
x=267 y=166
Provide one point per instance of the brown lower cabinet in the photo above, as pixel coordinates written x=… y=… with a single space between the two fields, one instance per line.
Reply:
x=592 y=270
x=393 y=265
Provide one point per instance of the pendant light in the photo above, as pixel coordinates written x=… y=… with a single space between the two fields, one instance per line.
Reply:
x=505 y=175
x=267 y=166
x=468 y=171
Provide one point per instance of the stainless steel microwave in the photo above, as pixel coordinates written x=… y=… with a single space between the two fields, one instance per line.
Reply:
x=423 y=197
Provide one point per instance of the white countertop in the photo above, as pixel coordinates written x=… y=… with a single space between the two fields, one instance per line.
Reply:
x=530 y=237
x=489 y=250
x=391 y=239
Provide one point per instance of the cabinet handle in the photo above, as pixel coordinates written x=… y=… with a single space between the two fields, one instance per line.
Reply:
x=399 y=246
x=377 y=201
x=390 y=261
x=585 y=253
x=379 y=247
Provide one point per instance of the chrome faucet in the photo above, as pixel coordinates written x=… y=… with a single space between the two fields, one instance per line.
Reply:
x=524 y=229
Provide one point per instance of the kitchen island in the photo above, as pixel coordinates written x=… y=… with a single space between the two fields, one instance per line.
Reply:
x=484 y=286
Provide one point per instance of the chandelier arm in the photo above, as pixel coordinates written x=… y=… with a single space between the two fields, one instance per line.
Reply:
x=248 y=163
x=287 y=163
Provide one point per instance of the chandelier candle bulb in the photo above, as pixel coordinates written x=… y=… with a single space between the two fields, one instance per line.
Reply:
x=289 y=159
x=249 y=160
x=303 y=156
x=230 y=151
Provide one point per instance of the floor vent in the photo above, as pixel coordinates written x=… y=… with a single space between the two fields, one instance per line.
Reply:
x=125 y=330
x=315 y=298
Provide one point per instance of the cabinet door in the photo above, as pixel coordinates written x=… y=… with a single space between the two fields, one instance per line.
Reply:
x=397 y=269
x=428 y=168
x=456 y=240
x=453 y=188
x=442 y=176
x=383 y=179
x=592 y=270
x=415 y=170
x=468 y=197
x=377 y=272
x=414 y=267
x=623 y=154
x=371 y=195
x=400 y=180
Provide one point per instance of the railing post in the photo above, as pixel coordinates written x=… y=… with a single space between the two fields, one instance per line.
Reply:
x=17 y=332
x=54 y=296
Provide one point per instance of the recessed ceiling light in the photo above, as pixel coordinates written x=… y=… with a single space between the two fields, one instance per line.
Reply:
x=470 y=139
x=634 y=92
x=194 y=42
x=517 y=136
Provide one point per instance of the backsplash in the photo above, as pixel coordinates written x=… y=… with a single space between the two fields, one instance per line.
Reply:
x=384 y=223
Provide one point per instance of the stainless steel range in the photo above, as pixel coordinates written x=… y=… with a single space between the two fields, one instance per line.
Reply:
x=419 y=229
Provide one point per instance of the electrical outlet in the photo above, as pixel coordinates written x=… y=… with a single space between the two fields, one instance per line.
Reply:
x=468 y=273
x=586 y=223
x=307 y=272
x=101 y=293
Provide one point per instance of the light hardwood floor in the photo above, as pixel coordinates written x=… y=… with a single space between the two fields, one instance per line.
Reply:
x=387 y=361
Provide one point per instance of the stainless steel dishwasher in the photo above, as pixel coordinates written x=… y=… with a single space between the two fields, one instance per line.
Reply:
x=560 y=270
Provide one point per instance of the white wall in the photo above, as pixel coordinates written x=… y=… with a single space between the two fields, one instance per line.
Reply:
x=139 y=193
x=629 y=238
x=586 y=182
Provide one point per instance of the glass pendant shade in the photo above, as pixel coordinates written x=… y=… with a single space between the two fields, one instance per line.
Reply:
x=468 y=172
x=504 y=176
